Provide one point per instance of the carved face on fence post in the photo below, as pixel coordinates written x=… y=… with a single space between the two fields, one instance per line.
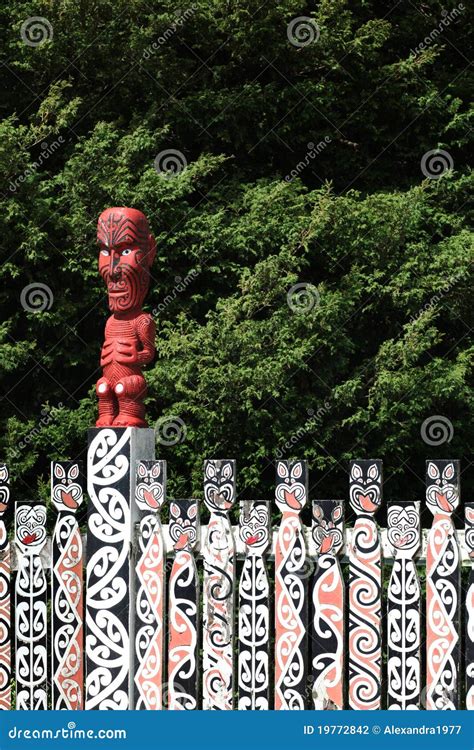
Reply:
x=126 y=253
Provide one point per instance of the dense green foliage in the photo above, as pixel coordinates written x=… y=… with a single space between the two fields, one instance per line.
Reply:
x=386 y=343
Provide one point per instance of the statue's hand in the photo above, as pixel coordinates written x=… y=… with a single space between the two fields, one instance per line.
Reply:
x=146 y=333
x=128 y=351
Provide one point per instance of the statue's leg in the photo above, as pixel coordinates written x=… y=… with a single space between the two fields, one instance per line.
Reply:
x=130 y=392
x=108 y=406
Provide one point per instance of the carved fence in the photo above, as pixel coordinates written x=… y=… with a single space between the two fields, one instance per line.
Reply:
x=156 y=616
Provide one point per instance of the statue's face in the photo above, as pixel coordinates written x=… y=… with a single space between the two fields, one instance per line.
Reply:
x=126 y=252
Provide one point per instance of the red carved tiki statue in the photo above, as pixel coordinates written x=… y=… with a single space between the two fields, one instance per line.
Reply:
x=126 y=253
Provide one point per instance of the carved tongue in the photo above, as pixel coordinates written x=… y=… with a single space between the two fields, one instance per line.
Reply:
x=29 y=539
x=68 y=500
x=251 y=539
x=326 y=544
x=182 y=541
x=444 y=503
x=367 y=504
x=291 y=500
x=149 y=499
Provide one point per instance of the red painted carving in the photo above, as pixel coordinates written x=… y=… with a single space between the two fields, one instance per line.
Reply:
x=126 y=253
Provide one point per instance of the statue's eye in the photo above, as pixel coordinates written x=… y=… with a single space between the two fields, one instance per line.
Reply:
x=127 y=251
x=104 y=252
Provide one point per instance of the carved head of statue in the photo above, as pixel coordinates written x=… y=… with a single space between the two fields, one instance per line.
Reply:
x=126 y=253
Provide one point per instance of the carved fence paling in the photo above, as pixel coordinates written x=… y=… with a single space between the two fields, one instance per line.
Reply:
x=67 y=623
x=170 y=620
x=5 y=602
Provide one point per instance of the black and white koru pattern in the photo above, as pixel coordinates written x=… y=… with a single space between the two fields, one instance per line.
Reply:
x=469 y=520
x=327 y=612
x=442 y=588
x=108 y=569
x=365 y=587
x=5 y=604
x=254 y=616
x=403 y=608
x=219 y=593
x=4 y=504
x=291 y=586
x=150 y=494
x=183 y=607
x=31 y=663
x=67 y=588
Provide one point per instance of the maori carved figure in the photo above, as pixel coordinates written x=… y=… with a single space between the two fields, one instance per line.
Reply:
x=219 y=587
x=291 y=607
x=126 y=254
x=365 y=587
x=254 y=613
x=67 y=588
x=183 y=607
x=442 y=588
x=5 y=604
x=403 y=609
x=150 y=494
x=327 y=617
x=469 y=517
x=30 y=609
